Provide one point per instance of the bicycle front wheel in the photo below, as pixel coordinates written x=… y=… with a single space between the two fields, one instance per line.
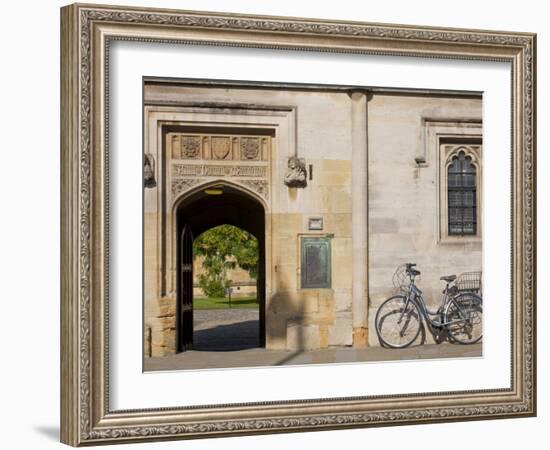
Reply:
x=463 y=318
x=397 y=322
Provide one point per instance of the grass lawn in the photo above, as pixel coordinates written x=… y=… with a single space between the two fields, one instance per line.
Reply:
x=223 y=303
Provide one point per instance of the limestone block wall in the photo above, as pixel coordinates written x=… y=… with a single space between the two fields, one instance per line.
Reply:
x=313 y=318
x=403 y=196
x=295 y=318
x=159 y=310
x=327 y=129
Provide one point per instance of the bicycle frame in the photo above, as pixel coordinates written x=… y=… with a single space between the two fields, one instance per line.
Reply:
x=415 y=295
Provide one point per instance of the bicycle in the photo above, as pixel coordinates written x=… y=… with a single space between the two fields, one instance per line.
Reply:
x=399 y=319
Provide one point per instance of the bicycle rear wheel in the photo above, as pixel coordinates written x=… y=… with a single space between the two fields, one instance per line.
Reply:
x=397 y=322
x=463 y=318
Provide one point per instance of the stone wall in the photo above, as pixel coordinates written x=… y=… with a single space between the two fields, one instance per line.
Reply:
x=326 y=129
x=403 y=195
x=295 y=318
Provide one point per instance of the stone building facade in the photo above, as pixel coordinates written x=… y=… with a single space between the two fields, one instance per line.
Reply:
x=242 y=284
x=339 y=184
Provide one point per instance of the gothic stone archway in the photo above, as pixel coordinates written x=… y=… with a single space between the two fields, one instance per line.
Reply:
x=186 y=156
x=198 y=212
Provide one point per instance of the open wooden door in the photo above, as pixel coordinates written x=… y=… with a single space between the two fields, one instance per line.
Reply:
x=185 y=294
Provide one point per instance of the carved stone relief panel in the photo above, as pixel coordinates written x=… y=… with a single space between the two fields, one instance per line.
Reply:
x=196 y=158
x=217 y=147
x=204 y=170
x=186 y=147
x=258 y=186
x=250 y=148
x=190 y=147
x=221 y=147
x=181 y=185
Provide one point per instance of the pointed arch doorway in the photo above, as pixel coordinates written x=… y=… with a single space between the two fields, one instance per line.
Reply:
x=205 y=208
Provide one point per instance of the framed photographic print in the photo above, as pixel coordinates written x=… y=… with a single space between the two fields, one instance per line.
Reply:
x=278 y=224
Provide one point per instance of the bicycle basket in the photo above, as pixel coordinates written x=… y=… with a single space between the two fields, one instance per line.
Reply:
x=469 y=281
x=400 y=278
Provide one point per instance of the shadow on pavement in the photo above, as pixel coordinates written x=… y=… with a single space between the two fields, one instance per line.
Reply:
x=229 y=337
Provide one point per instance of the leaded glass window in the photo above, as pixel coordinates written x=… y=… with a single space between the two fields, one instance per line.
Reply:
x=461 y=187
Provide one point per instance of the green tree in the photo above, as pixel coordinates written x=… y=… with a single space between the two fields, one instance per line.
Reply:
x=225 y=247
x=213 y=280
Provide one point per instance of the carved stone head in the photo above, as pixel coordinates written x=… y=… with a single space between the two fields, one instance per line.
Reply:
x=296 y=174
x=149 y=171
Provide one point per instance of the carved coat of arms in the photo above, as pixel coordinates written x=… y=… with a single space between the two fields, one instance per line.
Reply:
x=190 y=146
x=250 y=148
x=221 y=147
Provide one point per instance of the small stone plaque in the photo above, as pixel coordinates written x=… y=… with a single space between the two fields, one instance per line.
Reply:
x=315 y=223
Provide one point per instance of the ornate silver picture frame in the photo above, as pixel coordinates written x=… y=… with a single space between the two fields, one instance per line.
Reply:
x=87 y=33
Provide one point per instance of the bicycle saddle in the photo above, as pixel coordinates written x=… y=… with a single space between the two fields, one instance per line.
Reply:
x=448 y=278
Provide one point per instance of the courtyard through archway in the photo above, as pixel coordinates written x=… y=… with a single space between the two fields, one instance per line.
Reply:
x=221 y=276
x=225 y=301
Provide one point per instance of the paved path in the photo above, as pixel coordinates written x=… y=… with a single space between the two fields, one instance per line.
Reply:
x=225 y=338
x=226 y=329
x=255 y=357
